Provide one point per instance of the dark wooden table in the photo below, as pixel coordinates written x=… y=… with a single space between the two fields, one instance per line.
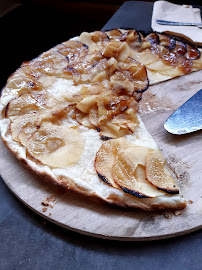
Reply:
x=27 y=241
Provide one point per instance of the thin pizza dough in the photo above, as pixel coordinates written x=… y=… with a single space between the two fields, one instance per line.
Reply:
x=71 y=115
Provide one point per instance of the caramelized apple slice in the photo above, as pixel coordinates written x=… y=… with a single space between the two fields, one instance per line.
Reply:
x=114 y=34
x=55 y=146
x=119 y=50
x=192 y=52
x=158 y=174
x=167 y=41
x=131 y=80
x=180 y=48
x=85 y=38
x=72 y=50
x=87 y=103
x=94 y=40
x=152 y=38
x=99 y=36
x=132 y=37
x=198 y=62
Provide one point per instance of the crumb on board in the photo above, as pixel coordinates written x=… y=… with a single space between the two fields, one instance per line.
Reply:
x=49 y=200
x=49 y=214
x=190 y=202
x=178 y=212
x=167 y=216
x=44 y=209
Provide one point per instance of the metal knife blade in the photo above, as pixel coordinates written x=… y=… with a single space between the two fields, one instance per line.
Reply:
x=178 y=23
x=187 y=118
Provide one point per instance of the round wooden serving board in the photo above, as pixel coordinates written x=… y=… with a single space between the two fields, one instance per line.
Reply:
x=80 y=214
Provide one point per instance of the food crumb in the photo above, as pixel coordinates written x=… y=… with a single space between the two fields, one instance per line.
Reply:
x=44 y=209
x=49 y=214
x=48 y=200
x=44 y=203
x=190 y=201
x=178 y=212
x=168 y=216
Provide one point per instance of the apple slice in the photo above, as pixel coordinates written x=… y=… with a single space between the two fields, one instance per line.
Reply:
x=192 y=53
x=134 y=181
x=86 y=39
x=22 y=105
x=72 y=50
x=55 y=146
x=115 y=34
x=24 y=126
x=167 y=41
x=122 y=165
x=128 y=172
x=157 y=173
x=104 y=161
x=87 y=103
x=28 y=104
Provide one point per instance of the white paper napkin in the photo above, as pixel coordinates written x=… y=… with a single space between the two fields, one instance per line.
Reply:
x=164 y=10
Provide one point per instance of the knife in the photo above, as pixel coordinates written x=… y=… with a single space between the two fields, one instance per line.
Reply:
x=187 y=118
x=177 y=23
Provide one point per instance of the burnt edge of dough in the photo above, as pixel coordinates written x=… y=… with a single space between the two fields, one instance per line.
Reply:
x=169 y=191
x=103 y=178
x=134 y=193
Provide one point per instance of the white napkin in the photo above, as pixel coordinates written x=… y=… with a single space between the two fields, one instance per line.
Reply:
x=164 y=10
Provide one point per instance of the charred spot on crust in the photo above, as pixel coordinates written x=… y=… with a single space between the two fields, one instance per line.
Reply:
x=134 y=193
x=105 y=138
x=172 y=192
x=6 y=110
x=98 y=129
x=103 y=178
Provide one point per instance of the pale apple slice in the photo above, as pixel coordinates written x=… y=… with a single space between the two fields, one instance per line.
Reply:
x=55 y=146
x=83 y=119
x=157 y=173
x=28 y=104
x=21 y=105
x=24 y=126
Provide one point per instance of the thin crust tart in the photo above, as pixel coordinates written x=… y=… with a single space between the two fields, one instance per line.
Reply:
x=71 y=115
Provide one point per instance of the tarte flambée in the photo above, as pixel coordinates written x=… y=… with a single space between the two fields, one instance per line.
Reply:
x=71 y=115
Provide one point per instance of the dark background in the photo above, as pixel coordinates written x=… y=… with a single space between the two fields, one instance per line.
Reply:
x=37 y=25
x=27 y=241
